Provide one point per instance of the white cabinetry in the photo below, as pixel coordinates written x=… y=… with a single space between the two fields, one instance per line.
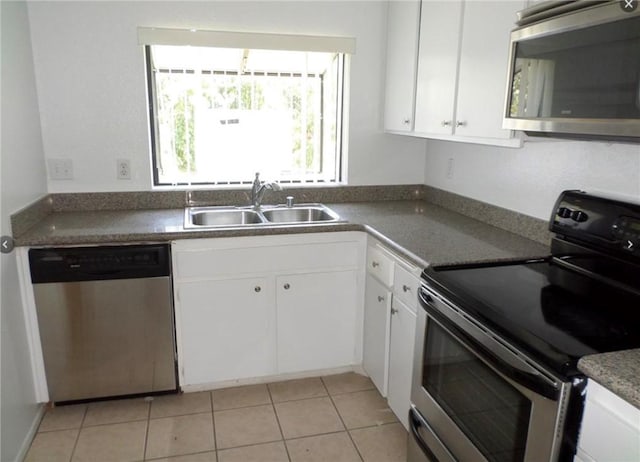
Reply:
x=461 y=72
x=403 y=326
x=389 y=326
x=610 y=428
x=316 y=320
x=437 y=67
x=377 y=311
x=403 y=22
x=255 y=307
x=228 y=329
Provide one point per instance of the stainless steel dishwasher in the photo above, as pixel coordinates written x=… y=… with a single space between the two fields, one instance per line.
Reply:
x=106 y=322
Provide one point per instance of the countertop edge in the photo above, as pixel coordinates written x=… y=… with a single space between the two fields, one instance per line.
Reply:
x=605 y=368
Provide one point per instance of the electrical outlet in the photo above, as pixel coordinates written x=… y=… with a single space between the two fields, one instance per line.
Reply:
x=60 y=169
x=450 y=168
x=124 y=169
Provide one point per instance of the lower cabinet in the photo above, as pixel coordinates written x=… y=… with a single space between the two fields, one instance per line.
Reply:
x=403 y=326
x=316 y=320
x=228 y=329
x=610 y=428
x=296 y=313
x=377 y=310
x=389 y=326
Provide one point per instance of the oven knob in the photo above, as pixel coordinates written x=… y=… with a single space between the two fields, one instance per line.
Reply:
x=579 y=216
x=564 y=212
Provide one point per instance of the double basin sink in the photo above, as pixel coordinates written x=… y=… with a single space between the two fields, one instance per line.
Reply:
x=217 y=217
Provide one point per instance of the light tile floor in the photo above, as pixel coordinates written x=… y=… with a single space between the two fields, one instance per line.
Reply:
x=336 y=418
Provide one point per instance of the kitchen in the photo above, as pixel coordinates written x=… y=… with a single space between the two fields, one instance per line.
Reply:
x=81 y=97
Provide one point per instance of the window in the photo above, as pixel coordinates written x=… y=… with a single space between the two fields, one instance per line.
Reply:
x=221 y=113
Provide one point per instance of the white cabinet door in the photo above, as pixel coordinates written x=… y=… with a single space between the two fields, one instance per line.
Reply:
x=437 y=66
x=403 y=326
x=316 y=320
x=377 y=310
x=610 y=427
x=228 y=330
x=482 y=77
x=403 y=21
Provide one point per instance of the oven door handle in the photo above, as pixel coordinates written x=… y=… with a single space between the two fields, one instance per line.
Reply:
x=494 y=350
x=416 y=421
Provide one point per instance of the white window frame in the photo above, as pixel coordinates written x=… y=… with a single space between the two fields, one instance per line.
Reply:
x=183 y=37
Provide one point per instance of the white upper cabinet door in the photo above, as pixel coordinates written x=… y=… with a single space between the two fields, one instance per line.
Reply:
x=227 y=330
x=377 y=311
x=316 y=320
x=484 y=58
x=403 y=22
x=440 y=30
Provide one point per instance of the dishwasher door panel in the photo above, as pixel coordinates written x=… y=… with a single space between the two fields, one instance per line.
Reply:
x=107 y=338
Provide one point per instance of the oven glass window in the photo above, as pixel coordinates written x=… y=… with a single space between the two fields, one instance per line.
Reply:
x=492 y=413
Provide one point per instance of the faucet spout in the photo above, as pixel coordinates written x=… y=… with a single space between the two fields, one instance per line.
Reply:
x=259 y=188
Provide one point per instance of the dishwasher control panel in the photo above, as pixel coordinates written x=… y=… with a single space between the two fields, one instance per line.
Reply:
x=69 y=264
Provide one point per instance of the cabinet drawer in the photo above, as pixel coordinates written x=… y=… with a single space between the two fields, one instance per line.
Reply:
x=405 y=287
x=380 y=265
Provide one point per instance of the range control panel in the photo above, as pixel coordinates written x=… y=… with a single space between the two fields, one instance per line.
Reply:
x=611 y=224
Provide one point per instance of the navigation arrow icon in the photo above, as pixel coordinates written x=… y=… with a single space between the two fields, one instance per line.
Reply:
x=6 y=244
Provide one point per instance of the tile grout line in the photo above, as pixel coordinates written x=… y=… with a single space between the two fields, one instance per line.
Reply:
x=273 y=406
x=213 y=424
x=146 y=433
x=75 y=445
x=343 y=423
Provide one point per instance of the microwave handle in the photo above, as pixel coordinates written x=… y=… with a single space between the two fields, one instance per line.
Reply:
x=494 y=351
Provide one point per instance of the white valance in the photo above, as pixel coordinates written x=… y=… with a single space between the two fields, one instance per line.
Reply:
x=246 y=40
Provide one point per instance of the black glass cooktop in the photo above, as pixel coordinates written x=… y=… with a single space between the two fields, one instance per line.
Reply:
x=554 y=314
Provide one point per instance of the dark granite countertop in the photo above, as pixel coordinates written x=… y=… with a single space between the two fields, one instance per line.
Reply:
x=423 y=232
x=618 y=371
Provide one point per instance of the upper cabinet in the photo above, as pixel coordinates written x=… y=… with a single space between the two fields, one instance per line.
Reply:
x=460 y=78
x=403 y=23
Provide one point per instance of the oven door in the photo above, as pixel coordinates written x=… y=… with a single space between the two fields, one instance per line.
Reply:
x=479 y=399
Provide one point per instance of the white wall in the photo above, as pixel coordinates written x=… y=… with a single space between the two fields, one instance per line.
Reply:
x=91 y=81
x=529 y=179
x=22 y=182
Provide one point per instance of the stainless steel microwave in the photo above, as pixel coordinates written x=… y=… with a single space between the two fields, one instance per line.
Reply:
x=574 y=70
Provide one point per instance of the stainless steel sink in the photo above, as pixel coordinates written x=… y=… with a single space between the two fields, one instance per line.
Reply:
x=229 y=217
x=210 y=217
x=300 y=214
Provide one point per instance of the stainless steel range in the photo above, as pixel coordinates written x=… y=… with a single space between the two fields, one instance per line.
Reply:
x=497 y=345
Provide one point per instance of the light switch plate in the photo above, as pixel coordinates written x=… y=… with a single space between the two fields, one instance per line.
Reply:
x=60 y=169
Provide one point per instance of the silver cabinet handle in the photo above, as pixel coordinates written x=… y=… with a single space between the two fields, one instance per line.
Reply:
x=286 y=286
x=445 y=123
x=393 y=311
x=406 y=288
x=380 y=298
x=461 y=123
x=257 y=288
x=375 y=264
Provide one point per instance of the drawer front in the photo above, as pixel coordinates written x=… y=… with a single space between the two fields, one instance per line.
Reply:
x=405 y=287
x=380 y=265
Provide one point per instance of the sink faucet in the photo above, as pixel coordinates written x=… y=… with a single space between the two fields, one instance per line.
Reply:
x=259 y=188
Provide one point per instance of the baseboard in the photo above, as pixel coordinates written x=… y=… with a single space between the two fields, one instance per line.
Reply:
x=271 y=378
x=31 y=434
